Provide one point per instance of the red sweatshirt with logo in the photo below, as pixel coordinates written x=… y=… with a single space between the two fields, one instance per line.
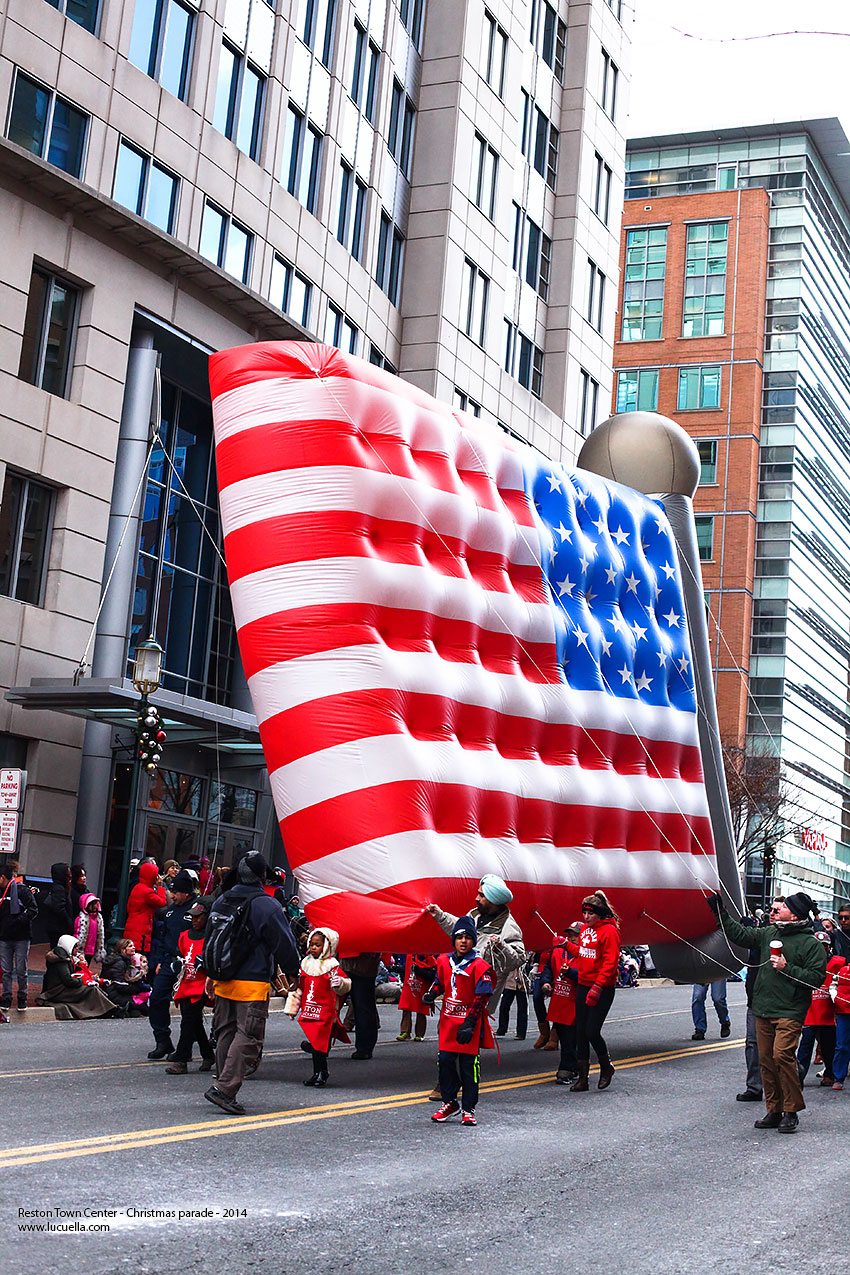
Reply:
x=597 y=954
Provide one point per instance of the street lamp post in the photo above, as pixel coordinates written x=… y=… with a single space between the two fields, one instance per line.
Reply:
x=147 y=750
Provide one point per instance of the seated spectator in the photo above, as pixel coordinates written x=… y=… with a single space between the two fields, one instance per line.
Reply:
x=88 y=928
x=124 y=975
x=69 y=986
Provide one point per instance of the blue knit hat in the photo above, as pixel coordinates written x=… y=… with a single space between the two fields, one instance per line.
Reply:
x=494 y=889
x=465 y=925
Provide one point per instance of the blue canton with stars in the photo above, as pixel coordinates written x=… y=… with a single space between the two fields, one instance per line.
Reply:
x=611 y=567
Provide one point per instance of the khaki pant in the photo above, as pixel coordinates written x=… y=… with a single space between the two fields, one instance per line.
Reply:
x=777 y=1042
x=240 y=1028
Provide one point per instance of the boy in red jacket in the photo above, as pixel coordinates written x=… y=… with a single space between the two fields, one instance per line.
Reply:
x=190 y=994
x=322 y=987
x=465 y=982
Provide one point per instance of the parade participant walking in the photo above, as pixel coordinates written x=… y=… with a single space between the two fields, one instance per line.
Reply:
x=18 y=910
x=418 y=977
x=322 y=987
x=362 y=970
x=190 y=993
x=718 y=998
x=820 y=1021
x=56 y=911
x=841 y=1060
x=146 y=897
x=167 y=926
x=465 y=982
x=242 y=995
x=557 y=983
x=88 y=927
x=792 y=963
x=598 y=959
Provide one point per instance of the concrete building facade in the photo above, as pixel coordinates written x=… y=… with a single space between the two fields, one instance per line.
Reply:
x=735 y=293
x=434 y=186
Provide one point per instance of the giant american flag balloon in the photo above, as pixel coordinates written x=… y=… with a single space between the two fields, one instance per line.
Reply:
x=463 y=658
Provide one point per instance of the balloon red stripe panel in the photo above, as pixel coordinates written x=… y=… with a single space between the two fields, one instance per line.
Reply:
x=339 y=719
x=384 y=810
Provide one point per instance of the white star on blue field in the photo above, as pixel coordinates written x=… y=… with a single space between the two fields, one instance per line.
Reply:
x=611 y=566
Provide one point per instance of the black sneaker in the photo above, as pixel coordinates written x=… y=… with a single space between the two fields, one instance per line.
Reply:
x=749 y=1095
x=161 y=1051
x=698 y=1035
x=725 y=1029
x=772 y=1120
x=360 y=1055
x=230 y=1105
x=789 y=1122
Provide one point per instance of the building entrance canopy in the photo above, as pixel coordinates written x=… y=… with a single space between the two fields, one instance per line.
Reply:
x=115 y=702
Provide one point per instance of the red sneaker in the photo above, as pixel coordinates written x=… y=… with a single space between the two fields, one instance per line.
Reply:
x=468 y=1117
x=448 y=1109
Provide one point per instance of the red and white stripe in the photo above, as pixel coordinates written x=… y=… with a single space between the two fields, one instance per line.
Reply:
x=388 y=594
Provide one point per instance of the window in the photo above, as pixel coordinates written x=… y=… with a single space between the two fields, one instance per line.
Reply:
x=345 y=183
x=523 y=360
x=610 y=76
x=359 y=220
x=494 y=54
x=705 y=279
x=643 y=288
x=601 y=188
x=699 y=387
x=49 y=329
x=47 y=125
x=226 y=243
x=290 y=291
x=637 y=391
x=339 y=330
x=379 y=359
x=539 y=141
x=161 y=41
x=707 y=448
x=588 y=402
x=239 y=100
x=485 y=168
x=319 y=22
x=549 y=36
x=145 y=187
x=402 y=123
x=705 y=537
x=464 y=403
x=474 y=305
x=302 y=159
x=412 y=17
x=595 y=310
x=616 y=7
x=84 y=12
x=26 y=517
x=727 y=176
x=358 y=68
x=538 y=258
x=390 y=259
x=372 y=82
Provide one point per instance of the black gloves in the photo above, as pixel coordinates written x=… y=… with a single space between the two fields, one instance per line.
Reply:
x=429 y=997
x=464 y=1032
x=715 y=902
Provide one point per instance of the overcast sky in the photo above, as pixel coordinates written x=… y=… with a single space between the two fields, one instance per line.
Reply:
x=680 y=84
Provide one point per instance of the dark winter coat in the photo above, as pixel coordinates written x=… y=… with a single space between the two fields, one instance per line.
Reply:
x=18 y=927
x=782 y=993
x=168 y=924
x=274 y=944
x=56 y=910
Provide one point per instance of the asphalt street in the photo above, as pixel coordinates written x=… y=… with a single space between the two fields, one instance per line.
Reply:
x=661 y=1174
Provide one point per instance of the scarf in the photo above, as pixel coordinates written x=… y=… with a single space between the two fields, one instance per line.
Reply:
x=459 y=965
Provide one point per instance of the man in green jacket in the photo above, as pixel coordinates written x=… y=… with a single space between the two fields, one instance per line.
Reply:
x=791 y=964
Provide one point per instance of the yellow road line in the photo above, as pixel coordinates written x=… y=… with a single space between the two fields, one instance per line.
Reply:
x=15 y=1156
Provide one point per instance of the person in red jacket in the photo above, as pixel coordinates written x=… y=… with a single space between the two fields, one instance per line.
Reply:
x=190 y=994
x=598 y=960
x=819 y=1024
x=322 y=986
x=418 y=977
x=561 y=988
x=465 y=981
x=145 y=898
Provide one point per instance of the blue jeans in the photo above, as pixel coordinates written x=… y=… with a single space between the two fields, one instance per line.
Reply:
x=751 y=1054
x=825 y=1037
x=13 y=958
x=842 y=1048
x=718 y=995
x=159 y=1002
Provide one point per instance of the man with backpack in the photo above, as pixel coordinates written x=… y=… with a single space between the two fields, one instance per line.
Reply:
x=247 y=936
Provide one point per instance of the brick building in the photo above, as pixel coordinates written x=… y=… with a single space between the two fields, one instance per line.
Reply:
x=734 y=297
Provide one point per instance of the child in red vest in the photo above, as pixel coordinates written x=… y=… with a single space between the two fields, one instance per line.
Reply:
x=190 y=994
x=555 y=979
x=323 y=987
x=465 y=981
x=819 y=1023
x=418 y=977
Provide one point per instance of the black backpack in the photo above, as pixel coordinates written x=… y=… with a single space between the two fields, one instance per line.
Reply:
x=229 y=937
